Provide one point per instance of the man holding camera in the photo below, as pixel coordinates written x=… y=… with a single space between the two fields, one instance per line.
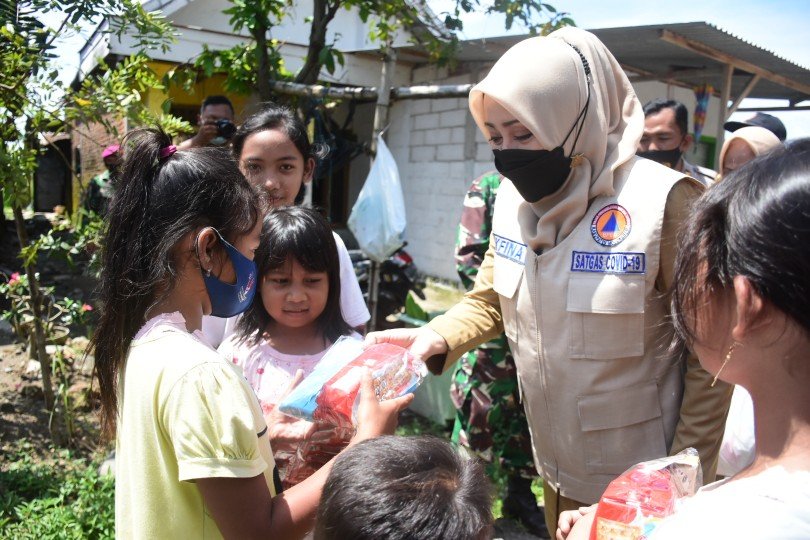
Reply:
x=216 y=124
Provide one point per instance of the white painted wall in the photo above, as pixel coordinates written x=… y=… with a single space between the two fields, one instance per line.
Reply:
x=439 y=151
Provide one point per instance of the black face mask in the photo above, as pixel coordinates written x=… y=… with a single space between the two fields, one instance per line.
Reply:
x=539 y=173
x=668 y=158
x=534 y=173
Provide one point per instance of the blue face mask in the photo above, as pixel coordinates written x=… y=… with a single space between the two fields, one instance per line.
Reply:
x=229 y=299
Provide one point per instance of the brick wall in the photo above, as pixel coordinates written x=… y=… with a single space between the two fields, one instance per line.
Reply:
x=439 y=151
x=90 y=140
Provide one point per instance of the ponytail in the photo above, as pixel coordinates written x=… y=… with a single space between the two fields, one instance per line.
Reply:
x=161 y=196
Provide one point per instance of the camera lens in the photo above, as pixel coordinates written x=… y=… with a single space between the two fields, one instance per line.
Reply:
x=225 y=128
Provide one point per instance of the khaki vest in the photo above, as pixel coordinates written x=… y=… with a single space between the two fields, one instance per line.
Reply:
x=587 y=329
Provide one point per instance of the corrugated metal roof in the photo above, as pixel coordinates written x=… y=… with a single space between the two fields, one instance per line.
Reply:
x=641 y=48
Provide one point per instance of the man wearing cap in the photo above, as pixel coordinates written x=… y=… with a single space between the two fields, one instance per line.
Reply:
x=771 y=123
x=666 y=139
x=215 y=122
x=102 y=186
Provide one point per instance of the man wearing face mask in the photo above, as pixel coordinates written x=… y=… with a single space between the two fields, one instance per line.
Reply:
x=102 y=186
x=578 y=273
x=666 y=139
x=215 y=122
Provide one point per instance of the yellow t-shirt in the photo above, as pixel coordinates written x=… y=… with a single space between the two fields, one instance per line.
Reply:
x=185 y=413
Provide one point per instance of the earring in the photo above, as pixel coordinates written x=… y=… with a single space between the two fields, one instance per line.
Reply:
x=207 y=272
x=728 y=357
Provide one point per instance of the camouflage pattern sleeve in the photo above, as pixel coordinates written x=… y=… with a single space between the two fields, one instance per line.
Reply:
x=475 y=226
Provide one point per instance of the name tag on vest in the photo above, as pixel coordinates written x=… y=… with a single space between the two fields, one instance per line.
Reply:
x=509 y=249
x=608 y=263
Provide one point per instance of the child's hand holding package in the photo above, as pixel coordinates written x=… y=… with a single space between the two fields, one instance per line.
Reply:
x=330 y=393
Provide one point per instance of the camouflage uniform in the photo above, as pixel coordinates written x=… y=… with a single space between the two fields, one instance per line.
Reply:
x=99 y=192
x=489 y=417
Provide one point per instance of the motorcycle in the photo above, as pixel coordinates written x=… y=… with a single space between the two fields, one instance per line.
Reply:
x=398 y=276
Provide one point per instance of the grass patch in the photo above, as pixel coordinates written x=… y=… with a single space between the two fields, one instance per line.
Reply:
x=59 y=497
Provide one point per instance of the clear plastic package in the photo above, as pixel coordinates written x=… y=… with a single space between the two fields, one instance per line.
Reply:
x=329 y=398
x=635 y=502
x=394 y=373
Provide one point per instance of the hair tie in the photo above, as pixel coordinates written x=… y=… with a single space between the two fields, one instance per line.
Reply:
x=167 y=151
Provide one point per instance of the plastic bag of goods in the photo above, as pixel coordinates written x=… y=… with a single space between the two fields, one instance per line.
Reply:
x=312 y=454
x=301 y=401
x=329 y=394
x=635 y=502
x=394 y=373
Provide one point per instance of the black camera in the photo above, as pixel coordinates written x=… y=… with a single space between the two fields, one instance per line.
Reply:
x=225 y=128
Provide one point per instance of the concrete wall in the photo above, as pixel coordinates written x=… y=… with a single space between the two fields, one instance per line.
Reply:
x=439 y=151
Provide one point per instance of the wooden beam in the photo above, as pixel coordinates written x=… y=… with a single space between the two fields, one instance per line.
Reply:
x=768 y=109
x=675 y=74
x=354 y=93
x=725 y=58
x=644 y=75
x=369 y=93
x=744 y=94
x=725 y=95
x=431 y=91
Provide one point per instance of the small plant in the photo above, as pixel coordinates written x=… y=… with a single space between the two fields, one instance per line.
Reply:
x=20 y=315
x=62 y=497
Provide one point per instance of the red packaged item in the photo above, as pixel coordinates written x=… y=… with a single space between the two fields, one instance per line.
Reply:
x=635 y=502
x=313 y=453
x=394 y=372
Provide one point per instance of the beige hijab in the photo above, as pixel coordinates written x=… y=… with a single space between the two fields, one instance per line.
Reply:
x=542 y=82
x=758 y=139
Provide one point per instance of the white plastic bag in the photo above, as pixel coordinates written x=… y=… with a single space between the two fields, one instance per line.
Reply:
x=378 y=217
x=738 y=447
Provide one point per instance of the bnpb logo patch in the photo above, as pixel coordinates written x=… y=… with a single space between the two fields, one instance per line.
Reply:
x=611 y=225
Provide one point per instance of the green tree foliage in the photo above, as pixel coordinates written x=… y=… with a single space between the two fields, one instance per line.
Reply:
x=250 y=65
x=34 y=101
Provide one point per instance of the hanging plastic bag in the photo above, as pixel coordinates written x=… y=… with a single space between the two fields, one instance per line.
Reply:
x=378 y=217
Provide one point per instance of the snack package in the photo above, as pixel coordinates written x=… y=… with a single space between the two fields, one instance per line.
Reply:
x=301 y=401
x=394 y=372
x=329 y=394
x=635 y=502
x=313 y=454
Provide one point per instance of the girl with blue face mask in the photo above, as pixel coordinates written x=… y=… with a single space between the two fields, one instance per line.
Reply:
x=192 y=456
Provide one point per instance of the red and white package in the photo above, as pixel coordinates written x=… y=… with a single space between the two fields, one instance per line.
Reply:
x=394 y=372
x=312 y=454
x=635 y=502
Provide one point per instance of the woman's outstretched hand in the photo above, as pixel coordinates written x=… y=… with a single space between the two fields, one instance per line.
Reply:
x=421 y=342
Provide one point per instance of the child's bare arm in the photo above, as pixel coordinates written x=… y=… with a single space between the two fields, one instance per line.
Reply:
x=243 y=508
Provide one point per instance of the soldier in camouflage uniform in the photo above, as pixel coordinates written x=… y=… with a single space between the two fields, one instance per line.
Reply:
x=489 y=417
x=102 y=186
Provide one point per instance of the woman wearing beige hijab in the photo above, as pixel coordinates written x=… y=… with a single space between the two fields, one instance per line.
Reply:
x=744 y=145
x=577 y=273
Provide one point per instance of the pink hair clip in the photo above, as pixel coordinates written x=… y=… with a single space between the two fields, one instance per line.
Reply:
x=167 y=151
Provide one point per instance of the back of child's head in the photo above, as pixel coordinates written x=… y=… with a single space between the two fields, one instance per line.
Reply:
x=162 y=195
x=749 y=225
x=398 y=488
x=303 y=235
